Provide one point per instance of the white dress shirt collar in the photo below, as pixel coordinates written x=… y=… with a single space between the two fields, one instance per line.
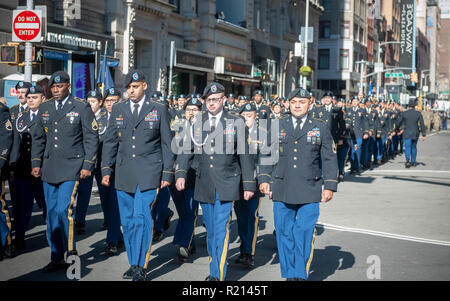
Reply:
x=140 y=103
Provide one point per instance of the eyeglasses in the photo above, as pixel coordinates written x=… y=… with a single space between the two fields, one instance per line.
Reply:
x=214 y=100
x=192 y=110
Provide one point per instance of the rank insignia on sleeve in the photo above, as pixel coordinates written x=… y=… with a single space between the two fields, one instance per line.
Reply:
x=94 y=125
x=4 y=152
x=8 y=125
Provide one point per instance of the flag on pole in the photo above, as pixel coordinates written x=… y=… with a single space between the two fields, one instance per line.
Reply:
x=370 y=88
x=104 y=78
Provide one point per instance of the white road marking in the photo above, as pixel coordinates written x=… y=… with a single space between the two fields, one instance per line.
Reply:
x=406 y=171
x=383 y=234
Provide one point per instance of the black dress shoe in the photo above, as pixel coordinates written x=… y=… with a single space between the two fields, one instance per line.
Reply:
x=80 y=229
x=105 y=226
x=120 y=243
x=250 y=261
x=20 y=244
x=240 y=259
x=211 y=278
x=341 y=178
x=183 y=254
x=414 y=164
x=157 y=236
x=407 y=164
x=129 y=274
x=55 y=266
x=167 y=223
x=140 y=274
x=111 y=249
x=10 y=251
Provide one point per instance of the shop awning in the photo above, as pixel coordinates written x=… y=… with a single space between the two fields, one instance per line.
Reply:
x=245 y=81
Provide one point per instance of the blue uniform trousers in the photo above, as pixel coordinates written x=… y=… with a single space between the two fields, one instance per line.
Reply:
x=161 y=211
x=295 y=226
x=217 y=219
x=187 y=209
x=342 y=154
x=5 y=220
x=400 y=142
x=83 y=199
x=247 y=214
x=60 y=199
x=28 y=190
x=356 y=155
x=110 y=206
x=411 y=150
x=394 y=142
x=381 y=142
x=370 y=149
x=137 y=223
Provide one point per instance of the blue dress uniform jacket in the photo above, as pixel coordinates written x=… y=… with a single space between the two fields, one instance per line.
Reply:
x=21 y=150
x=139 y=151
x=221 y=173
x=357 y=118
x=297 y=177
x=410 y=121
x=372 y=120
x=334 y=119
x=384 y=124
x=263 y=111
x=64 y=142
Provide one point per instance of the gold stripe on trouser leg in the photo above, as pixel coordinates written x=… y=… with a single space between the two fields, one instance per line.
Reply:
x=72 y=201
x=255 y=235
x=147 y=256
x=312 y=248
x=5 y=211
x=225 y=245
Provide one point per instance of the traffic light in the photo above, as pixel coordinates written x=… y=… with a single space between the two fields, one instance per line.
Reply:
x=414 y=77
x=9 y=54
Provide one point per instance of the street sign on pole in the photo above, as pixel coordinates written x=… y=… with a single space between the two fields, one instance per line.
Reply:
x=26 y=26
x=379 y=67
x=310 y=34
x=393 y=75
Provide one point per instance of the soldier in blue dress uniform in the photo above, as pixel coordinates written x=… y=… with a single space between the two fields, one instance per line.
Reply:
x=294 y=183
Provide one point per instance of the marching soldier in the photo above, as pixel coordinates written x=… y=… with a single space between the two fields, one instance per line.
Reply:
x=356 y=117
x=372 y=121
x=242 y=100
x=28 y=187
x=64 y=151
x=6 y=141
x=409 y=125
x=231 y=105
x=137 y=147
x=276 y=110
x=247 y=211
x=221 y=168
x=262 y=110
x=186 y=205
x=383 y=131
x=294 y=183
x=95 y=100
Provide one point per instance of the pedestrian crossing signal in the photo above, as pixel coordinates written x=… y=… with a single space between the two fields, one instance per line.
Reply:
x=9 y=54
x=414 y=77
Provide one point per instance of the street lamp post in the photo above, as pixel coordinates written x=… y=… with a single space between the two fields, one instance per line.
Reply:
x=305 y=60
x=381 y=44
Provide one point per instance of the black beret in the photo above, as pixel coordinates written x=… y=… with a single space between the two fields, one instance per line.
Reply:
x=299 y=92
x=356 y=97
x=156 y=94
x=35 y=90
x=94 y=94
x=317 y=101
x=198 y=95
x=349 y=100
x=249 y=107
x=194 y=101
x=182 y=96
x=23 y=85
x=242 y=97
x=258 y=92
x=363 y=100
x=213 y=88
x=112 y=92
x=412 y=102
x=59 y=77
x=231 y=95
x=134 y=76
x=328 y=93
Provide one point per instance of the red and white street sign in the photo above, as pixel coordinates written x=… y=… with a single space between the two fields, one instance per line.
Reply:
x=26 y=26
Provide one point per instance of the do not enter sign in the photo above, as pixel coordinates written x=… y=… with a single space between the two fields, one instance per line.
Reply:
x=26 y=26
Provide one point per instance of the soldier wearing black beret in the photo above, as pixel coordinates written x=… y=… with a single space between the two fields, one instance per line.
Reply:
x=294 y=183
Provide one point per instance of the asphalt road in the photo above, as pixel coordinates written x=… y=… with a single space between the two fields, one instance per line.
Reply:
x=389 y=223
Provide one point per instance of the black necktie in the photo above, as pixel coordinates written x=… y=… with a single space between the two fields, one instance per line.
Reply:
x=21 y=109
x=297 y=127
x=135 y=111
x=32 y=116
x=213 y=124
x=60 y=105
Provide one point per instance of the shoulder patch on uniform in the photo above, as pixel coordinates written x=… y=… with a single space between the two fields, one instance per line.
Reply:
x=79 y=99
x=14 y=106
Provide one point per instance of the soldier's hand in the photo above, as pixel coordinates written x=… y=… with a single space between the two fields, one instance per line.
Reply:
x=180 y=184
x=355 y=147
x=84 y=173
x=327 y=195
x=106 y=181
x=264 y=188
x=248 y=195
x=423 y=138
x=164 y=184
x=36 y=172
